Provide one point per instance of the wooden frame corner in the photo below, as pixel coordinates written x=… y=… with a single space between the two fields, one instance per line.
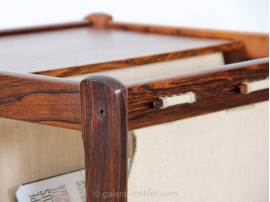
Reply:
x=99 y=20
x=104 y=132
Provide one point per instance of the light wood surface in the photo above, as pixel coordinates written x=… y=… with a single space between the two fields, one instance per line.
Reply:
x=82 y=47
x=256 y=45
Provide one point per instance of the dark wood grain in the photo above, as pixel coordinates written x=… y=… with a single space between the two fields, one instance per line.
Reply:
x=99 y=106
x=256 y=45
x=124 y=63
x=40 y=99
x=244 y=46
x=98 y=20
x=57 y=101
x=67 y=52
x=234 y=56
x=45 y=28
x=104 y=131
x=216 y=89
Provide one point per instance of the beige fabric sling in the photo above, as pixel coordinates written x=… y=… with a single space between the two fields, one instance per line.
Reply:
x=31 y=151
x=222 y=156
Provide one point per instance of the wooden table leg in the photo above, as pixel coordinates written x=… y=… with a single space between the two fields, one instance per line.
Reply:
x=104 y=132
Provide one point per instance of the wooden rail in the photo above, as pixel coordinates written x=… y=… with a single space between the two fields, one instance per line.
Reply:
x=55 y=101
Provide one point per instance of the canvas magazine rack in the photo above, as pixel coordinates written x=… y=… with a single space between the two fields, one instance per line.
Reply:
x=37 y=86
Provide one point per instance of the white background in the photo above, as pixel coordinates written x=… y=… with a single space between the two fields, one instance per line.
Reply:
x=244 y=15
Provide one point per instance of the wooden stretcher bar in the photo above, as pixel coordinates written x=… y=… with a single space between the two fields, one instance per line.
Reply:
x=105 y=106
x=55 y=101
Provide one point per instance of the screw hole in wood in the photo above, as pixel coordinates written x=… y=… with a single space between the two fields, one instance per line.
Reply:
x=101 y=111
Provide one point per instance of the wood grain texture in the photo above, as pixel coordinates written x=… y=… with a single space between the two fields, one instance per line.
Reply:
x=99 y=20
x=45 y=28
x=104 y=131
x=82 y=50
x=234 y=56
x=57 y=101
x=40 y=99
x=95 y=19
x=256 y=45
x=124 y=63
x=216 y=89
x=253 y=45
